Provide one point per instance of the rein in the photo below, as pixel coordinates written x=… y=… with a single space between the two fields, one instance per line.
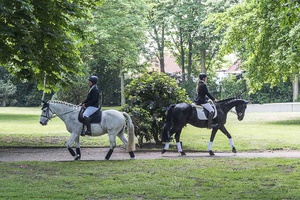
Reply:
x=54 y=115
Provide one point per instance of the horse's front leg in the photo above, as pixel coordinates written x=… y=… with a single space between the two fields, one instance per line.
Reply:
x=113 y=144
x=224 y=130
x=74 y=138
x=178 y=143
x=212 y=137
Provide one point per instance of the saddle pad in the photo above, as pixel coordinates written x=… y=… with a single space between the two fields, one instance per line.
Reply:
x=202 y=114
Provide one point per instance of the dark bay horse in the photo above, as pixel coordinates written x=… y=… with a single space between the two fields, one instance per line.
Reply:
x=178 y=115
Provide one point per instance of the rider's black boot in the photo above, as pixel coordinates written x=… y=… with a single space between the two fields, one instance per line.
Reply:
x=87 y=122
x=210 y=125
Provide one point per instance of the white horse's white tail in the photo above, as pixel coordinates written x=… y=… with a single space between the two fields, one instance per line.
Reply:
x=130 y=133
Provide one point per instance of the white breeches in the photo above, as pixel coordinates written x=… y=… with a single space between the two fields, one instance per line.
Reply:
x=89 y=111
x=208 y=107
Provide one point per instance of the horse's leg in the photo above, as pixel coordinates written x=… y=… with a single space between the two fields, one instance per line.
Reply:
x=112 y=140
x=212 y=137
x=122 y=137
x=74 y=137
x=124 y=140
x=178 y=143
x=224 y=130
x=78 y=152
x=170 y=133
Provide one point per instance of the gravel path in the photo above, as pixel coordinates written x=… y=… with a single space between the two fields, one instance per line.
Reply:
x=62 y=154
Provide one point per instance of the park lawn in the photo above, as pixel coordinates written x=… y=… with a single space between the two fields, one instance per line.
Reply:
x=176 y=178
x=258 y=131
x=179 y=178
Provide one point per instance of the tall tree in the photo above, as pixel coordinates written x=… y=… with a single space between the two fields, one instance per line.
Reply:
x=266 y=36
x=119 y=31
x=157 y=20
x=41 y=37
x=195 y=42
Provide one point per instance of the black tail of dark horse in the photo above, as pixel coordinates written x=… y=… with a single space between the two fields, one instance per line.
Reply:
x=165 y=134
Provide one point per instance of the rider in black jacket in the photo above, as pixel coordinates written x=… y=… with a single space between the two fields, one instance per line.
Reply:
x=91 y=103
x=202 y=98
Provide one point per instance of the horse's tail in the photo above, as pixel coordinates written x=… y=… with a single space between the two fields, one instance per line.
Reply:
x=165 y=134
x=130 y=133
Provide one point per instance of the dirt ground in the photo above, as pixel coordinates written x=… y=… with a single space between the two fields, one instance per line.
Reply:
x=62 y=154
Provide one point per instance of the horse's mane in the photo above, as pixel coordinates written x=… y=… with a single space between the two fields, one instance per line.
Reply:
x=227 y=100
x=63 y=102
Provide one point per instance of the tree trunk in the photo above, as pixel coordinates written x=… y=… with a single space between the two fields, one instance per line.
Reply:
x=203 y=55
x=295 y=88
x=189 y=67
x=160 y=42
x=161 y=51
x=122 y=88
x=182 y=55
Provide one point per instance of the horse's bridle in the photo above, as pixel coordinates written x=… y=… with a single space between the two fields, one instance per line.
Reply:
x=238 y=114
x=46 y=105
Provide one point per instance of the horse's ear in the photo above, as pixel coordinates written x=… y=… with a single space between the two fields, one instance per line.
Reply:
x=239 y=96
x=43 y=101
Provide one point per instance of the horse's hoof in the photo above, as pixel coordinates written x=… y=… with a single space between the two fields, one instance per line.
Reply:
x=182 y=153
x=233 y=150
x=163 y=151
x=77 y=157
x=211 y=153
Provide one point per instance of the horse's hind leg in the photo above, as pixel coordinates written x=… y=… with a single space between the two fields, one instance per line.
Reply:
x=167 y=140
x=178 y=143
x=224 y=130
x=122 y=137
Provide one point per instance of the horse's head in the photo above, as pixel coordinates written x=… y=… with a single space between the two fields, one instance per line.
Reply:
x=47 y=114
x=240 y=109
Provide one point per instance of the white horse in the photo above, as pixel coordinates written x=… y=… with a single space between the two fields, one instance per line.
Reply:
x=113 y=122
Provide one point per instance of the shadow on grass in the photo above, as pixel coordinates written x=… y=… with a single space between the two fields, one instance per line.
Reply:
x=286 y=122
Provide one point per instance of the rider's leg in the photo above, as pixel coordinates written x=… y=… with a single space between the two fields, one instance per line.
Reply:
x=210 y=109
x=86 y=119
x=87 y=122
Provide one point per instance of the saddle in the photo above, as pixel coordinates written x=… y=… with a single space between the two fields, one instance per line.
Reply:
x=95 y=117
x=202 y=113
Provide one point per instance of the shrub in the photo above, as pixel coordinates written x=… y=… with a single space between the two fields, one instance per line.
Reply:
x=148 y=98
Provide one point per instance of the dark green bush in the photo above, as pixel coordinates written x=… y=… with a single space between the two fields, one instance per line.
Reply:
x=148 y=98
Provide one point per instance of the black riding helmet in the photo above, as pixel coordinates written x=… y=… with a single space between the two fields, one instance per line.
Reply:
x=93 y=79
x=202 y=76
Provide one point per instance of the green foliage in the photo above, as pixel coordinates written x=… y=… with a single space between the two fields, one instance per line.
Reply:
x=149 y=96
x=41 y=37
x=234 y=86
x=7 y=89
x=265 y=37
x=74 y=93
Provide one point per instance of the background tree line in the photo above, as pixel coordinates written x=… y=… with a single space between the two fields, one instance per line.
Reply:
x=66 y=41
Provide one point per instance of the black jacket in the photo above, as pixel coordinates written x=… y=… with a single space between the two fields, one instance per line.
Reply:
x=92 y=97
x=202 y=93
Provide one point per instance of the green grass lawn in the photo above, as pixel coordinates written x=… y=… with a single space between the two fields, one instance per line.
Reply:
x=182 y=178
x=179 y=178
x=258 y=131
